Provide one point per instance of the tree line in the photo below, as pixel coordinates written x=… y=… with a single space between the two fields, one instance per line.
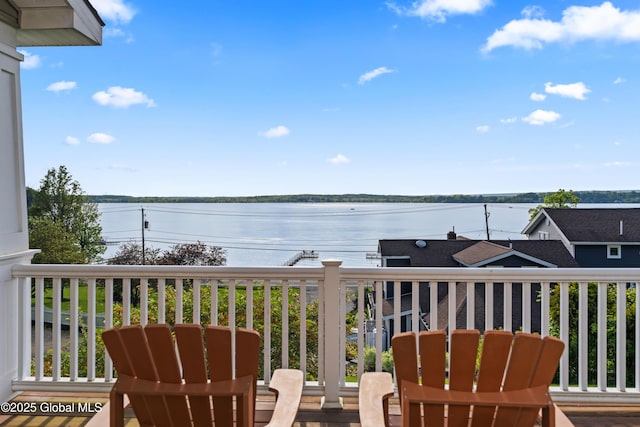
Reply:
x=632 y=196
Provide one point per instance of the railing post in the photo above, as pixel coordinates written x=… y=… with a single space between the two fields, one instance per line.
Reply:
x=333 y=327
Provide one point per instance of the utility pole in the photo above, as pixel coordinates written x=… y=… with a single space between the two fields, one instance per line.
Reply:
x=486 y=221
x=145 y=225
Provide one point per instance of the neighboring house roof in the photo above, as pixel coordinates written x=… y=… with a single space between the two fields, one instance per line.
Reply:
x=454 y=253
x=592 y=225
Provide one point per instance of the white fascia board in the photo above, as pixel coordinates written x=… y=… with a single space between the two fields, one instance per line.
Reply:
x=508 y=254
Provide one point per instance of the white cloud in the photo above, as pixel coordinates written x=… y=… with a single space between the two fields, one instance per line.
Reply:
x=538 y=96
x=482 y=129
x=618 y=81
x=114 y=10
x=276 y=132
x=438 y=10
x=71 y=140
x=509 y=120
x=373 y=74
x=101 y=138
x=117 y=33
x=572 y=90
x=61 y=86
x=338 y=160
x=617 y=164
x=30 y=61
x=532 y=12
x=579 y=23
x=540 y=117
x=121 y=97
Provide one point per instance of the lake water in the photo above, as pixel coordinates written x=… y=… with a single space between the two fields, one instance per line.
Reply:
x=268 y=234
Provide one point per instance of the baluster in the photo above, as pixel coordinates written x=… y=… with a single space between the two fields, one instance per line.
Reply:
x=179 y=301
x=56 y=320
x=397 y=298
x=415 y=306
x=507 y=306
x=564 y=334
x=583 y=336
x=545 y=289
x=196 y=301
x=214 y=303
x=249 y=291
x=267 y=330
x=144 y=301
x=602 y=336
x=526 y=307
x=74 y=317
x=91 y=330
x=39 y=327
x=108 y=323
x=303 y=327
x=162 y=300
x=621 y=336
x=471 y=305
x=362 y=330
x=451 y=307
x=379 y=329
x=488 y=305
x=285 y=324
x=126 y=301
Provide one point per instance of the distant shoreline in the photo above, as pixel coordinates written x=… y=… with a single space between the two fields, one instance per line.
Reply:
x=631 y=196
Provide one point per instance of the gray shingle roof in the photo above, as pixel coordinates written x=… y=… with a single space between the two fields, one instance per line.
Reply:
x=597 y=225
x=439 y=253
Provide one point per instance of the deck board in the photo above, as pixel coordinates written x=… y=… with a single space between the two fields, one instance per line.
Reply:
x=309 y=415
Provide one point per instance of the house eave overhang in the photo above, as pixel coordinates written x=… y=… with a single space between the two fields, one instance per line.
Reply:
x=613 y=242
x=58 y=23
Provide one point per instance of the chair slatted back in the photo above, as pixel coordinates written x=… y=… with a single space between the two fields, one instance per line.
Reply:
x=149 y=353
x=506 y=363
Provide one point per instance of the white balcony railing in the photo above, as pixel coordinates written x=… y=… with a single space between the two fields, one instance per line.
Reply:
x=63 y=309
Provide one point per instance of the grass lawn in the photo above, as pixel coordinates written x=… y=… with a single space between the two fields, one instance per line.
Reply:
x=82 y=298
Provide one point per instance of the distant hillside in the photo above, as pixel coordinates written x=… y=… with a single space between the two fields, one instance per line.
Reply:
x=585 y=197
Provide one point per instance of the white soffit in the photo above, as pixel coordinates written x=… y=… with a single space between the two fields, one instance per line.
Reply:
x=58 y=23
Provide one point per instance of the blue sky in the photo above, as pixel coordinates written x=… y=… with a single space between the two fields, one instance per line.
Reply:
x=233 y=98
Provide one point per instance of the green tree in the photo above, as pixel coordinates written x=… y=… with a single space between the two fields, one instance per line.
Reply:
x=193 y=254
x=559 y=199
x=130 y=253
x=59 y=208
x=55 y=242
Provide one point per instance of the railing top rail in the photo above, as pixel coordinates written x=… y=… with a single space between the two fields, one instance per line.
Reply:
x=480 y=274
x=166 y=271
x=346 y=273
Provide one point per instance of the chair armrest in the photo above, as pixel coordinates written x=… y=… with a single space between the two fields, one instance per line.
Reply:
x=375 y=390
x=101 y=418
x=287 y=384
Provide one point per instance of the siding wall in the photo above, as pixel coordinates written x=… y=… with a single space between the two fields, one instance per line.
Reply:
x=596 y=256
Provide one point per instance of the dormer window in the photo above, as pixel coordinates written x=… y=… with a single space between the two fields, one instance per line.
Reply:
x=614 y=251
x=543 y=235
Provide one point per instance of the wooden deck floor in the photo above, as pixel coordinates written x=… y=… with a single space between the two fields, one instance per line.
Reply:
x=309 y=414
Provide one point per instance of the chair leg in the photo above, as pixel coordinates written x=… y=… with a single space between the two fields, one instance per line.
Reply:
x=116 y=409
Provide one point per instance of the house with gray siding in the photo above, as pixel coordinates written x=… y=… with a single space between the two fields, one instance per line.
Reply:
x=465 y=253
x=598 y=237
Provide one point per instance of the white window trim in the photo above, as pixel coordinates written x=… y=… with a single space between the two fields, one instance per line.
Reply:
x=610 y=256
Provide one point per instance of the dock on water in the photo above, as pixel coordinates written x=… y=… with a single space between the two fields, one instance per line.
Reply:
x=300 y=256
